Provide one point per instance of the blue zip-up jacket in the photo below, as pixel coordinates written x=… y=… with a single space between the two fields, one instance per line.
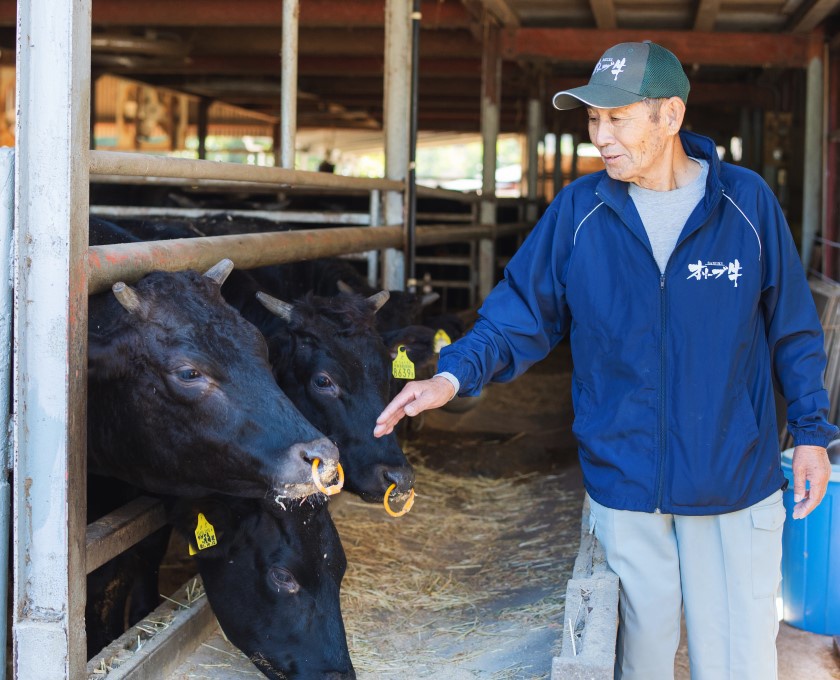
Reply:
x=673 y=373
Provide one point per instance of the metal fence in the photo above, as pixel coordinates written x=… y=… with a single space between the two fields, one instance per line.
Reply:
x=54 y=273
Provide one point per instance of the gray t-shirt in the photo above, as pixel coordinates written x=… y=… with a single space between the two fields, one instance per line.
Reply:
x=664 y=213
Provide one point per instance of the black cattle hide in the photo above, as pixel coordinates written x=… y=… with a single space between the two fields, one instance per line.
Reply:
x=272 y=578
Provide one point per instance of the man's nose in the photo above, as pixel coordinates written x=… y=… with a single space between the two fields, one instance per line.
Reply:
x=601 y=133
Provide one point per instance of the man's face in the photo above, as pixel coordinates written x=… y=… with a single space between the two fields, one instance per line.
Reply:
x=632 y=141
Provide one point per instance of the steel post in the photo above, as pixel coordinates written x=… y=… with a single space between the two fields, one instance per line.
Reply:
x=535 y=124
x=491 y=85
x=288 y=84
x=812 y=180
x=50 y=330
x=7 y=204
x=396 y=122
x=373 y=255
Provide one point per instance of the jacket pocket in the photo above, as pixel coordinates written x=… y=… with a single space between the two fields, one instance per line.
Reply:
x=766 y=548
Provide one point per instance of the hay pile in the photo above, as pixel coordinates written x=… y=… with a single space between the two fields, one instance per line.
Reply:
x=452 y=589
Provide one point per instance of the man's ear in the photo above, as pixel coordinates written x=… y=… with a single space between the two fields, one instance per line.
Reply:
x=673 y=112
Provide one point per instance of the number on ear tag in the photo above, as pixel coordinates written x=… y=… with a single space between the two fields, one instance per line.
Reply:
x=403 y=367
x=205 y=534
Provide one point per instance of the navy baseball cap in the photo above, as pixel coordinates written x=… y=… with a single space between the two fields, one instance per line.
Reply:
x=626 y=74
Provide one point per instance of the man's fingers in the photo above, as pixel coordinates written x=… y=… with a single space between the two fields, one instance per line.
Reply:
x=804 y=507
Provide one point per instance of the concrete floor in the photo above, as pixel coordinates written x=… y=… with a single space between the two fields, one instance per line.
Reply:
x=532 y=417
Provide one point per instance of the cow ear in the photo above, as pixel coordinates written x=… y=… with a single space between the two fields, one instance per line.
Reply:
x=110 y=356
x=205 y=524
x=419 y=343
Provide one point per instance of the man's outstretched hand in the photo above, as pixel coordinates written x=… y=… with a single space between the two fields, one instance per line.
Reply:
x=415 y=397
x=811 y=464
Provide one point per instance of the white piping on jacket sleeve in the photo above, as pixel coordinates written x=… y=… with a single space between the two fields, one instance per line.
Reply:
x=574 y=238
x=755 y=231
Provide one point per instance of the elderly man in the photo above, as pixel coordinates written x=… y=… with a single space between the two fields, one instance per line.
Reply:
x=679 y=283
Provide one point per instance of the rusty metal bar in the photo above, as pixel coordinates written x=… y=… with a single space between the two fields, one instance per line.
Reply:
x=448 y=194
x=108 y=536
x=130 y=261
x=138 y=164
x=278 y=216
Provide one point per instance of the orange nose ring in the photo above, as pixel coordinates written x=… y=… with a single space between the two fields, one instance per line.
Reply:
x=405 y=507
x=327 y=490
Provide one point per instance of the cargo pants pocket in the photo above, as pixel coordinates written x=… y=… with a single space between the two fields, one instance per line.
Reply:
x=767 y=520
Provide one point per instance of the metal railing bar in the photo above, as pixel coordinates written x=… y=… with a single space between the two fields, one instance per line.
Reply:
x=130 y=261
x=278 y=216
x=111 y=535
x=448 y=194
x=137 y=164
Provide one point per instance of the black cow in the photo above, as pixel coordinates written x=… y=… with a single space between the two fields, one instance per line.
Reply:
x=272 y=578
x=181 y=399
x=326 y=356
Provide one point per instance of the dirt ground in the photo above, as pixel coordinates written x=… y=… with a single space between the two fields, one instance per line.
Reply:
x=471 y=583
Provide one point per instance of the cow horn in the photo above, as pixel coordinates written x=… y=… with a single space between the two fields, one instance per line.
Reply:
x=429 y=298
x=379 y=299
x=127 y=297
x=344 y=287
x=275 y=306
x=220 y=271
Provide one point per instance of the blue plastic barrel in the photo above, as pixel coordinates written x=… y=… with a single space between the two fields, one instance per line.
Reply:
x=811 y=556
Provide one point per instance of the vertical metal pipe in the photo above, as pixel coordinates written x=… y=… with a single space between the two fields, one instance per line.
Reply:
x=535 y=110
x=557 y=174
x=396 y=124
x=201 y=126
x=812 y=181
x=831 y=195
x=375 y=221
x=411 y=222
x=491 y=86
x=7 y=204
x=289 y=75
x=50 y=330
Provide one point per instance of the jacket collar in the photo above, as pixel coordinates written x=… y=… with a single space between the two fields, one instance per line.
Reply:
x=615 y=194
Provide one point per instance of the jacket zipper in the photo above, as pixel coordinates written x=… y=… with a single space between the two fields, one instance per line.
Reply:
x=662 y=401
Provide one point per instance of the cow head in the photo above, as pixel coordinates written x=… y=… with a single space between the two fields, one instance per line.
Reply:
x=272 y=578
x=181 y=398
x=327 y=356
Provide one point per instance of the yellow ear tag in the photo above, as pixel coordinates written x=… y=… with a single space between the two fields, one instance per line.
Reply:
x=402 y=368
x=193 y=551
x=441 y=340
x=205 y=534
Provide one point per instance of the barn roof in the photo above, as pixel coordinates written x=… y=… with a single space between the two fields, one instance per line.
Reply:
x=231 y=50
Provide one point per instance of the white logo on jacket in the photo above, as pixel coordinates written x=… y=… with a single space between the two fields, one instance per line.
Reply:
x=714 y=270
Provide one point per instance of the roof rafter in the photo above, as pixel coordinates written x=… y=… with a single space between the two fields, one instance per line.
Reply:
x=604 y=13
x=706 y=16
x=692 y=47
x=811 y=15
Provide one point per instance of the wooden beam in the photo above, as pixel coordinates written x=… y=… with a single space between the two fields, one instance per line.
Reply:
x=811 y=14
x=335 y=13
x=604 y=13
x=691 y=47
x=707 y=14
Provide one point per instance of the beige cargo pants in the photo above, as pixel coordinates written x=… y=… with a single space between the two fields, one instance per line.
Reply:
x=724 y=570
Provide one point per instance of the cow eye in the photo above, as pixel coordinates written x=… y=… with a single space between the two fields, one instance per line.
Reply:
x=282 y=580
x=323 y=383
x=188 y=374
